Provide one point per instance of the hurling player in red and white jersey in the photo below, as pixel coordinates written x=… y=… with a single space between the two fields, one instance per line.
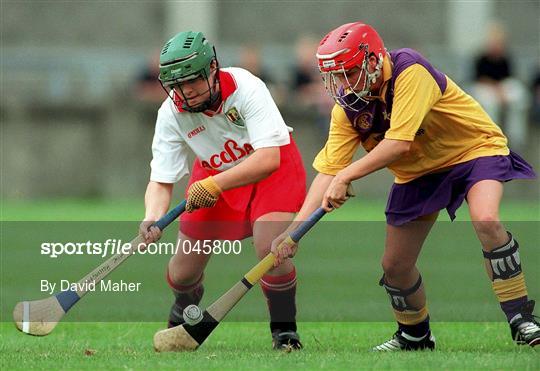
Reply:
x=248 y=178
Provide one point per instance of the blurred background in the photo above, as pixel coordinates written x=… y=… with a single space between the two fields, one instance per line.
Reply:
x=79 y=93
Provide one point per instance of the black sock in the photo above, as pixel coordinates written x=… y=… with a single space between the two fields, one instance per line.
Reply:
x=418 y=330
x=280 y=292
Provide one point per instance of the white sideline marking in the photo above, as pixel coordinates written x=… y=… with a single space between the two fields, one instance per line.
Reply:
x=26 y=317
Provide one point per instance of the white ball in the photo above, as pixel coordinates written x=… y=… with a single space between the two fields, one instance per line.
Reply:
x=192 y=314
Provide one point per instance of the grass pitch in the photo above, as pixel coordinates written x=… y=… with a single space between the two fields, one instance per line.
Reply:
x=357 y=209
x=247 y=346
x=237 y=344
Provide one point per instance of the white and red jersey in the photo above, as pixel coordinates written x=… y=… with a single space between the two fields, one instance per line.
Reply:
x=247 y=120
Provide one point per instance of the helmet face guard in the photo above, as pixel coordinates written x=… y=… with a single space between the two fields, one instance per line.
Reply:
x=352 y=94
x=343 y=50
x=176 y=92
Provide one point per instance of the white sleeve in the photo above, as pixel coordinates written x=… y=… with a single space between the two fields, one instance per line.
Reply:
x=169 y=150
x=264 y=123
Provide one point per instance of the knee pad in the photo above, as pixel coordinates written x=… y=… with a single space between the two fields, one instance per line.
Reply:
x=398 y=297
x=505 y=261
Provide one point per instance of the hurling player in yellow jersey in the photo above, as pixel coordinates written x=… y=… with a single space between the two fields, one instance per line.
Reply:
x=442 y=148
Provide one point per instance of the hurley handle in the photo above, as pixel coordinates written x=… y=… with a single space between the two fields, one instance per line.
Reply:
x=303 y=228
x=171 y=216
x=267 y=262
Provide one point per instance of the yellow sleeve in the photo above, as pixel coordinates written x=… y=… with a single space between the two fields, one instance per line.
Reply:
x=415 y=93
x=343 y=141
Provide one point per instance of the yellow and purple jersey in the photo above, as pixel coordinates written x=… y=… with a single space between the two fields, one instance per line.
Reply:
x=420 y=104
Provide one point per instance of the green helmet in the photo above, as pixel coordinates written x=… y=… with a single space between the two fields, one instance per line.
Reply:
x=184 y=57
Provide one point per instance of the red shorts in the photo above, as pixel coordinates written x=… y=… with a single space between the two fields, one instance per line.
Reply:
x=237 y=209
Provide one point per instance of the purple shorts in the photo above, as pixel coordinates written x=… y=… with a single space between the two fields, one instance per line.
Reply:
x=447 y=190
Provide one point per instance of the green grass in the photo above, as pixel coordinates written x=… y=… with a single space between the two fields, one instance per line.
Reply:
x=358 y=208
x=247 y=346
x=338 y=267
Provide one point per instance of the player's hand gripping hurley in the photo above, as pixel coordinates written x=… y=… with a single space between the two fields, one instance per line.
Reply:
x=40 y=317
x=190 y=337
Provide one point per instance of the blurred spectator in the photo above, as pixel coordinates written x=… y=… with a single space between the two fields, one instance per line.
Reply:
x=535 y=109
x=250 y=59
x=308 y=92
x=148 y=89
x=501 y=95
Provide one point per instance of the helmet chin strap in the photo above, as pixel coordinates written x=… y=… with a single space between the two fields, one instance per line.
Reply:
x=375 y=75
x=371 y=78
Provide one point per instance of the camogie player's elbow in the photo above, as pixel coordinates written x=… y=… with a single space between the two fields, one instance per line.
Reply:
x=269 y=163
x=403 y=147
x=272 y=164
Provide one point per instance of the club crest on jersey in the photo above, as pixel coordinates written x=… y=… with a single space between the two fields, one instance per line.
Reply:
x=364 y=121
x=234 y=117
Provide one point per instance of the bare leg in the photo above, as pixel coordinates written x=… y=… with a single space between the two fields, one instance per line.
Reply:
x=403 y=284
x=265 y=229
x=403 y=245
x=500 y=249
x=186 y=269
x=484 y=199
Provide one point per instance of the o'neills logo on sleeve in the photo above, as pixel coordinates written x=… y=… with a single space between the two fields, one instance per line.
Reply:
x=232 y=152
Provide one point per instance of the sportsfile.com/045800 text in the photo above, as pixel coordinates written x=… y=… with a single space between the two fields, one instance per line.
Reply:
x=114 y=246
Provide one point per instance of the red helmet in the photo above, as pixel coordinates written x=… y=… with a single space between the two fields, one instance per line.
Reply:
x=343 y=49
